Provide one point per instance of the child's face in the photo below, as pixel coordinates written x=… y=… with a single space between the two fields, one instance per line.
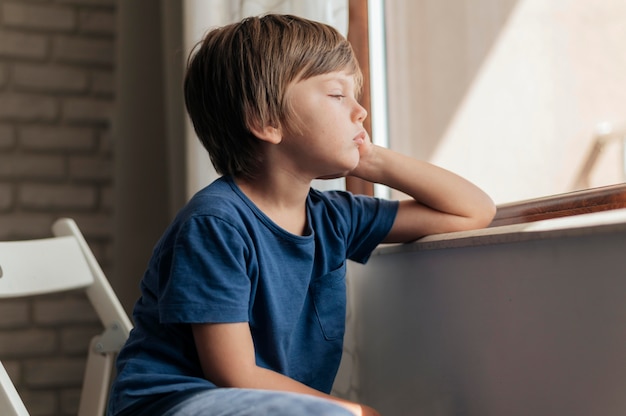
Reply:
x=324 y=142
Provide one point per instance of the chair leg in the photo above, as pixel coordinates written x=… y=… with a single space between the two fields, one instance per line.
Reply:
x=94 y=395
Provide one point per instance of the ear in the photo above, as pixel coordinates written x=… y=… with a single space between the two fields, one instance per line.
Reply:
x=270 y=134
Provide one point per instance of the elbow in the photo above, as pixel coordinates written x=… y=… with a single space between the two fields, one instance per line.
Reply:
x=480 y=215
x=485 y=215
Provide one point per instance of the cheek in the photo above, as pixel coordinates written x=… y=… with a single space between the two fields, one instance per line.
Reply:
x=301 y=121
x=310 y=126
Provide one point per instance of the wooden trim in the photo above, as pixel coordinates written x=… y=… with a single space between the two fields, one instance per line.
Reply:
x=562 y=205
x=358 y=36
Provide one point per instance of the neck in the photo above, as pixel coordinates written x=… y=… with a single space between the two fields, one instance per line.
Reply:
x=281 y=197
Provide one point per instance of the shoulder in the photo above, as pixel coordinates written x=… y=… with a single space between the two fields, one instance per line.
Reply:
x=221 y=200
x=219 y=196
x=214 y=210
x=345 y=203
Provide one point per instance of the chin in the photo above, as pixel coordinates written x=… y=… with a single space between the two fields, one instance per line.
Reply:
x=341 y=171
x=334 y=175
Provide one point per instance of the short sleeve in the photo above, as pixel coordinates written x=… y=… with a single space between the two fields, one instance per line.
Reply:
x=362 y=221
x=372 y=219
x=207 y=280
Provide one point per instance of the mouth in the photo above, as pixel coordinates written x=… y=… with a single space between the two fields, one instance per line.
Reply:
x=359 y=139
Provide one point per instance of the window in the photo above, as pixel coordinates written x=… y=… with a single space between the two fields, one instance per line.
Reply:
x=510 y=93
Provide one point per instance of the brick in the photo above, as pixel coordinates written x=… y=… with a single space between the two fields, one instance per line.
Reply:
x=104 y=253
x=28 y=107
x=32 y=167
x=51 y=138
x=91 y=168
x=110 y=3
x=27 y=342
x=107 y=142
x=107 y=198
x=60 y=310
x=47 y=197
x=6 y=203
x=42 y=17
x=22 y=45
x=3 y=75
x=23 y=226
x=62 y=372
x=103 y=82
x=14 y=370
x=7 y=136
x=84 y=50
x=70 y=399
x=96 y=227
x=97 y=22
x=76 y=340
x=108 y=269
x=87 y=110
x=14 y=313
x=49 y=78
x=40 y=402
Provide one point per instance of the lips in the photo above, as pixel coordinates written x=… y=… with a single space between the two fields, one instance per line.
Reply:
x=360 y=138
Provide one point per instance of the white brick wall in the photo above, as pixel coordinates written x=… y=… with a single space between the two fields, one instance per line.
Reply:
x=56 y=159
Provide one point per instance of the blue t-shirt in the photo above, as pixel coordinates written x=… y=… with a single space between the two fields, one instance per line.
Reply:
x=223 y=260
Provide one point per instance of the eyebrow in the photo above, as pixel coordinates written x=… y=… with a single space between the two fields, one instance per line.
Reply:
x=345 y=81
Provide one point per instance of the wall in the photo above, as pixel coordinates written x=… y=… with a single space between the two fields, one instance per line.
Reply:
x=515 y=87
x=514 y=321
x=56 y=159
x=149 y=135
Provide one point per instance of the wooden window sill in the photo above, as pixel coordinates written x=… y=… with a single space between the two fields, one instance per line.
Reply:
x=562 y=205
x=575 y=214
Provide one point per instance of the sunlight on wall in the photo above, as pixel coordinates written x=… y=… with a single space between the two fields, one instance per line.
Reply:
x=527 y=119
x=554 y=73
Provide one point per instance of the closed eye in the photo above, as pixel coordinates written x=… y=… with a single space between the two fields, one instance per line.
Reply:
x=338 y=96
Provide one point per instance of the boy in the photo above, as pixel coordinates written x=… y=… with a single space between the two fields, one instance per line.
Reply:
x=243 y=302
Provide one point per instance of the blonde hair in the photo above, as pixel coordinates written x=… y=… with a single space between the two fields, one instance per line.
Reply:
x=237 y=77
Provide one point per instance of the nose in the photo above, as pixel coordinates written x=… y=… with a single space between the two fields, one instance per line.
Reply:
x=360 y=113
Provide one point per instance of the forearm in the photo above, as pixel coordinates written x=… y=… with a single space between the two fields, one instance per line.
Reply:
x=226 y=353
x=261 y=378
x=427 y=184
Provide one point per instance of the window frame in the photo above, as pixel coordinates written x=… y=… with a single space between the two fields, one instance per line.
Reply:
x=552 y=206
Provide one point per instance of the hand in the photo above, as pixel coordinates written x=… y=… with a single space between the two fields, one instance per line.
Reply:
x=358 y=409
x=368 y=411
x=367 y=152
x=366 y=148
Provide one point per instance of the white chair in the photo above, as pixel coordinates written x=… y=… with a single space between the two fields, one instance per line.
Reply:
x=63 y=263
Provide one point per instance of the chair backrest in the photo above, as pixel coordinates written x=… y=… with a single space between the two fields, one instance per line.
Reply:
x=65 y=263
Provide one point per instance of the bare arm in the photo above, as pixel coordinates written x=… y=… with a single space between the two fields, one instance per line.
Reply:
x=226 y=353
x=442 y=201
